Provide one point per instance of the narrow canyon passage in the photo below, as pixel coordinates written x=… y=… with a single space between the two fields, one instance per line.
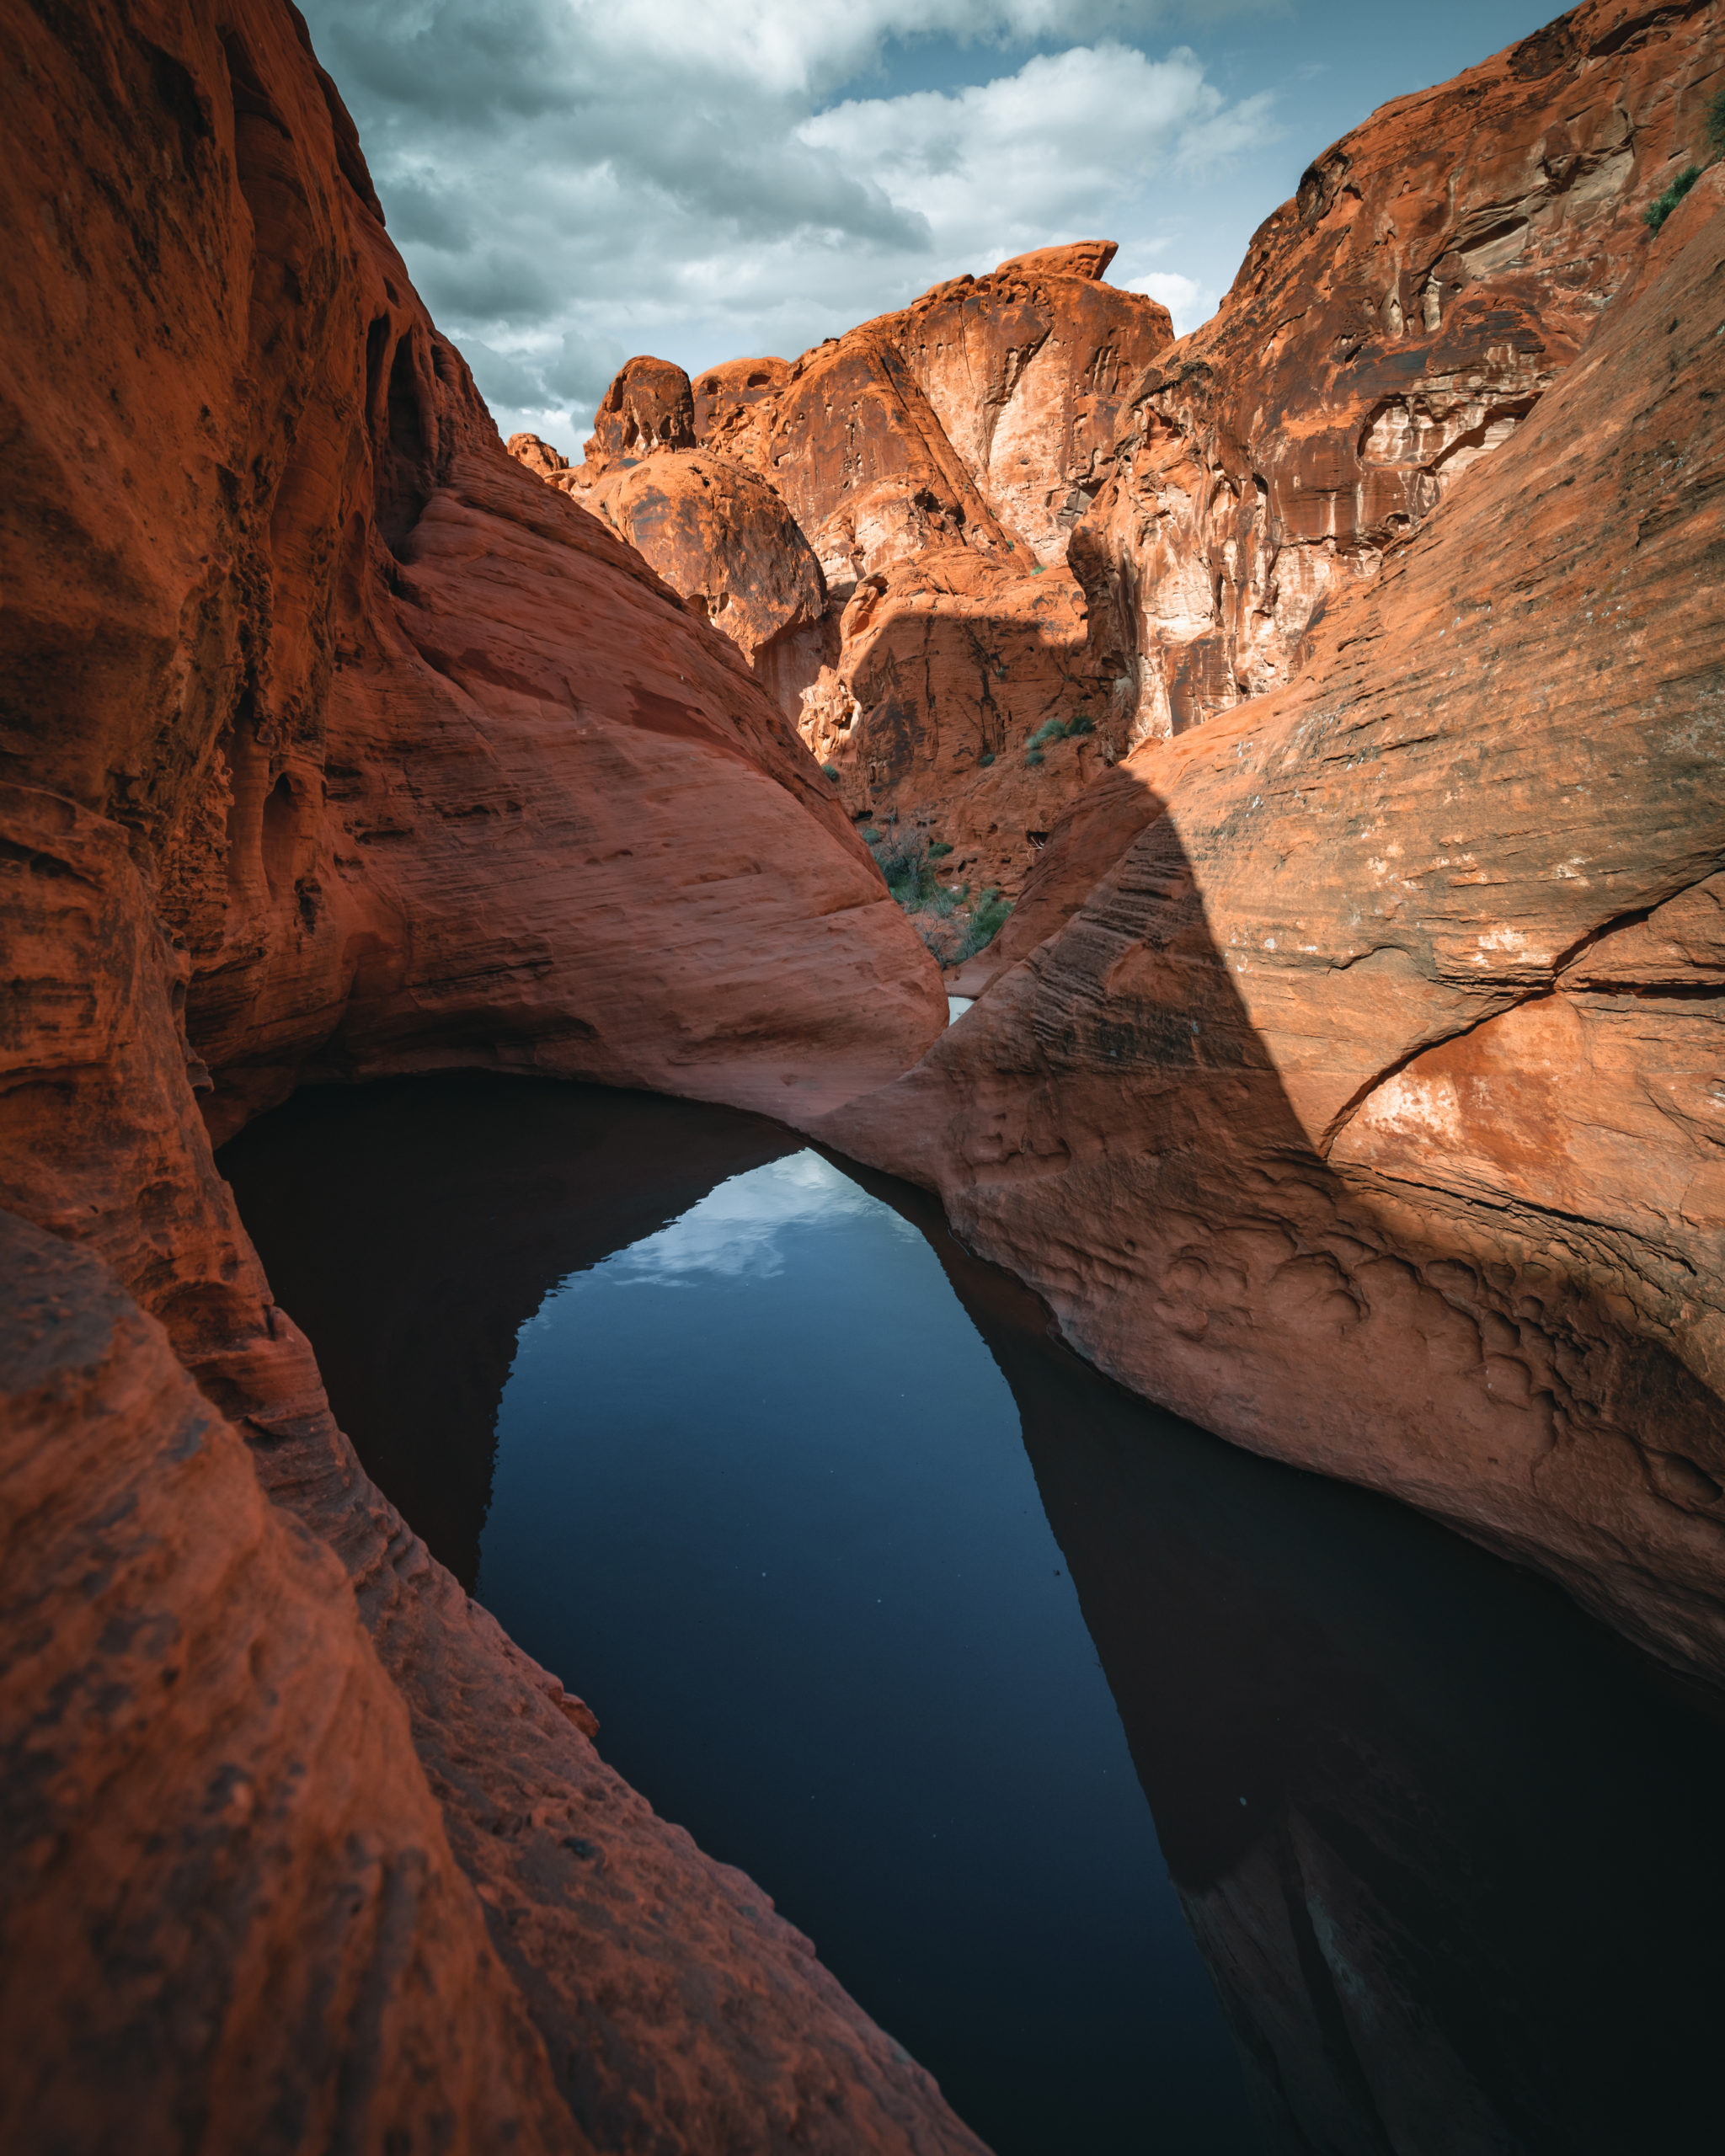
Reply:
x=896 y=1604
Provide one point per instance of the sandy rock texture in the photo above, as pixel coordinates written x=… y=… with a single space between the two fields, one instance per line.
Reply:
x=1395 y=322
x=648 y=406
x=335 y=742
x=723 y=538
x=1365 y=1106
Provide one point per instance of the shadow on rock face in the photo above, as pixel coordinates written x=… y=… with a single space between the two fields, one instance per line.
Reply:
x=1447 y=1847
x=461 y=1255
x=1359 y=1096
x=1117 y=1124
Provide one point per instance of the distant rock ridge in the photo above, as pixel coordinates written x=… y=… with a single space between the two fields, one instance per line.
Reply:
x=936 y=460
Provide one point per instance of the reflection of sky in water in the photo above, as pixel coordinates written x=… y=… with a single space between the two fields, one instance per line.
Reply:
x=778 y=1525
x=741 y=1226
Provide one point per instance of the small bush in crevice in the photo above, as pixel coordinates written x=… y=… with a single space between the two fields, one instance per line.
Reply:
x=1658 y=211
x=955 y=926
x=832 y=772
x=1056 y=730
x=967 y=926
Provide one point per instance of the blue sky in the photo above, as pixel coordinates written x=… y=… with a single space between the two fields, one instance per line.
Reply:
x=573 y=181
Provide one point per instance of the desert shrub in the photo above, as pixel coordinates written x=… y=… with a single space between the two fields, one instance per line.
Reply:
x=1656 y=212
x=831 y=771
x=903 y=853
x=1032 y=757
x=987 y=917
x=984 y=760
x=1084 y=723
x=936 y=848
x=1051 y=730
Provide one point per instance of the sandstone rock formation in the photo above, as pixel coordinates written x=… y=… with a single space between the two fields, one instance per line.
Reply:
x=335 y=744
x=648 y=407
x=937 y=459
x=1438 y=271
x=537 y=454
x=721 y=536
x=1365 y=1108
x=723 y=394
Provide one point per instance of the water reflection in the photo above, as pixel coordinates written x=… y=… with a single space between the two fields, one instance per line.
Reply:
x=1448 y=1851
x=761 y=1483
x=746 y=1226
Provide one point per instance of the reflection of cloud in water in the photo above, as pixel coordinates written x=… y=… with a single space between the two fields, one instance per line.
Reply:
x=735 y=1229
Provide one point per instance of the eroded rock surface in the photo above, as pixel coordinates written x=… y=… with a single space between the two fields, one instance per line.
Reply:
x=648 y=407
x=936 y=460
x=335 y=743
x=721 y=537
x=1365 y=1107
x=1438 y=271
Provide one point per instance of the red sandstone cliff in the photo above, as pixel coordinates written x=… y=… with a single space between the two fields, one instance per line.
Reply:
x=333 y=743
x=935 y=459
x=1438 y=271
x=1361 y=1102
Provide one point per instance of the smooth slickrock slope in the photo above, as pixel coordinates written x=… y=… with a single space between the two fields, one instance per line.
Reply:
x=1367 y=1108
x=1439 y=269
x=333 y=743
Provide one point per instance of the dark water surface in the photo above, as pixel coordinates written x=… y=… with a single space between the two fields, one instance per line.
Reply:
x=895 y=1604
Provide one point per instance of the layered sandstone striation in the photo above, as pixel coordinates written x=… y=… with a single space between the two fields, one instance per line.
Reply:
x=1359 y=1099
x=1395 y=322
x=335 y=743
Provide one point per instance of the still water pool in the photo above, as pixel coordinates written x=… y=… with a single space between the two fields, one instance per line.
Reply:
x=1156 y=1797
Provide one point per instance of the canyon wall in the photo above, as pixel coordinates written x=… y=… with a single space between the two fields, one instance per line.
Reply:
x=334 y=743
x=1360 y=1098
x=1439 y=269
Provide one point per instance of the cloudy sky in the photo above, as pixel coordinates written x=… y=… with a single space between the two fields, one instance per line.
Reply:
x=573 y=181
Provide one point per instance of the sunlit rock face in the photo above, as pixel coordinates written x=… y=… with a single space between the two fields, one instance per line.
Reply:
x=935 y=460
x=1356 y=1092
x=1397 y=321
x=648 y=407
x=336 y=743
x=721 y=537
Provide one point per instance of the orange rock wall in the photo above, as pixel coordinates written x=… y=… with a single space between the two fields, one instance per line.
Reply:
x=335 y=743
x=1397 y=321
x=937 y=459
x=1360 y=1100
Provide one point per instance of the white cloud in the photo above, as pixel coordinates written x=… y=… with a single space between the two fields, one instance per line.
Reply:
x=1187 y=302
x=1071 y=137
x=572 y=181
x=737 y=1229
